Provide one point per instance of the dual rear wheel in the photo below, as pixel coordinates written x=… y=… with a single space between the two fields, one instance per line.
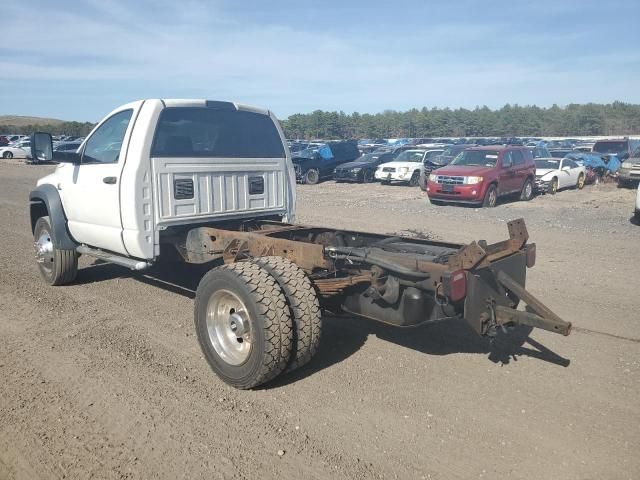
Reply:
x=257 y=319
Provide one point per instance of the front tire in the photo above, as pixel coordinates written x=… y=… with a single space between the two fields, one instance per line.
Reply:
x=312 y=177
x=491 y=197
x=56 y=266
x=303 y=305
x=243 y=324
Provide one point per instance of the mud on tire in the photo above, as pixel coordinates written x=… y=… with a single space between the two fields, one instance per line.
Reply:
x=303 y=304
x=270 y=332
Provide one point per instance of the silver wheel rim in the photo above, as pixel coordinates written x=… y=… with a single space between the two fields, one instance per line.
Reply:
x=527 y=190
x=44 y=250
x=229 y=327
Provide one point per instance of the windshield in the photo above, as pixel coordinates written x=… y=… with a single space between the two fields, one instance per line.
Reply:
x=451 y=151
x=367 y=157
x=547 y=164
x=477 y=158
x=410 y=156
x=432 y=154
x=610 y=147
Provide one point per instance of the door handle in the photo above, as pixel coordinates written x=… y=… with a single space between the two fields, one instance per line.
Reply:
x=109 y=180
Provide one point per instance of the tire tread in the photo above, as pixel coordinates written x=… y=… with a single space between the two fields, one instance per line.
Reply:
x=303 y=304
x=271 y=305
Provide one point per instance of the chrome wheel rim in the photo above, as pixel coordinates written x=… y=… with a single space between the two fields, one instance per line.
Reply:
x=44 y=250
x=527 y=190
x=581 y=182
x=229 y=327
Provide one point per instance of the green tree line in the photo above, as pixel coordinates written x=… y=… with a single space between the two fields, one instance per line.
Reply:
x=613 y=119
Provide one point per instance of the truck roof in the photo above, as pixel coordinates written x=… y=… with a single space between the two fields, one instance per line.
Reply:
x=193 y=102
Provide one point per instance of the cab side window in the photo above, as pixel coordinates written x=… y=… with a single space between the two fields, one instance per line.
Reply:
x=518 y=158
x=105 y=143
x=507 y=159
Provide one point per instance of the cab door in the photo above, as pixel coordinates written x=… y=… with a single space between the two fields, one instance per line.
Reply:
x=91 y=190
x=507 y=181
x=520 y=170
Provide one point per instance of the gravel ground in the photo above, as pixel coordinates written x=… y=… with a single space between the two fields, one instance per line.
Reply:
x=104 y=378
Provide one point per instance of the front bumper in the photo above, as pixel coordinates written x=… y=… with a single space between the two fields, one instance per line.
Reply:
x=348 y=176
x=393 y=176
x=629 y=174
x=465 y=194
x=542 y=185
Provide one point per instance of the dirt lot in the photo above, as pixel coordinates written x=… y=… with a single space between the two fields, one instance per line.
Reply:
x=104 y=378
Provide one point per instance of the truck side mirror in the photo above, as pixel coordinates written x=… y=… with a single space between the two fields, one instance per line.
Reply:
x=42 y=150
x=41 y=147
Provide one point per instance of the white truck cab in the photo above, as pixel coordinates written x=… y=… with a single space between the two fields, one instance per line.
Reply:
x=153 y=164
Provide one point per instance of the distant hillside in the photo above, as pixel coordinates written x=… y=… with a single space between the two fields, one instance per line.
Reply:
x=19 y=121
x=17 y=124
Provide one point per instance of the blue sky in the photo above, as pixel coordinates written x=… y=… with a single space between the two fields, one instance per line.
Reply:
x=79 y=60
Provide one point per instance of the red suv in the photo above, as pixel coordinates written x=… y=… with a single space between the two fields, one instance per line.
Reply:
x=479 y=175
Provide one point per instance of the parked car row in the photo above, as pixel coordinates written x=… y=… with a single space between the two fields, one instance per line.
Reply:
x=19 y=146
x=471 y=174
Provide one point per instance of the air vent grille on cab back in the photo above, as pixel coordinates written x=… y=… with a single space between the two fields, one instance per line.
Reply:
x=182 y=188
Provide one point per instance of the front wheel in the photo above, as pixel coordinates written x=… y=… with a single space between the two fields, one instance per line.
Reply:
x=312 y=176
x=57 y=266
x=243 y=324
x=527 y=191
x=491 y=197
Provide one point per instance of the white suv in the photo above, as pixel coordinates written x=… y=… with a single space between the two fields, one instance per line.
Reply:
x=405 y=168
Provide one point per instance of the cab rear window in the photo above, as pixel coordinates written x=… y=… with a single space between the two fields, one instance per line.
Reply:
x=211 y=132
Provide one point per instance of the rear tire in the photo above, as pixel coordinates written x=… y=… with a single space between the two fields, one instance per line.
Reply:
x=527 y=191
x=303 y=305
x=56 y=266
x=237 y=304
x=312 y=177
x=490 y=197
x=7 y=155
x=553 y=186
x=580 y=184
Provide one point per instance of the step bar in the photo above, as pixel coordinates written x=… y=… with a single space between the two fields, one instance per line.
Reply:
x=130 y=263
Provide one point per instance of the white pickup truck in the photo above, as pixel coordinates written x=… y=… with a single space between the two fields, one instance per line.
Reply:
x=213 y=182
